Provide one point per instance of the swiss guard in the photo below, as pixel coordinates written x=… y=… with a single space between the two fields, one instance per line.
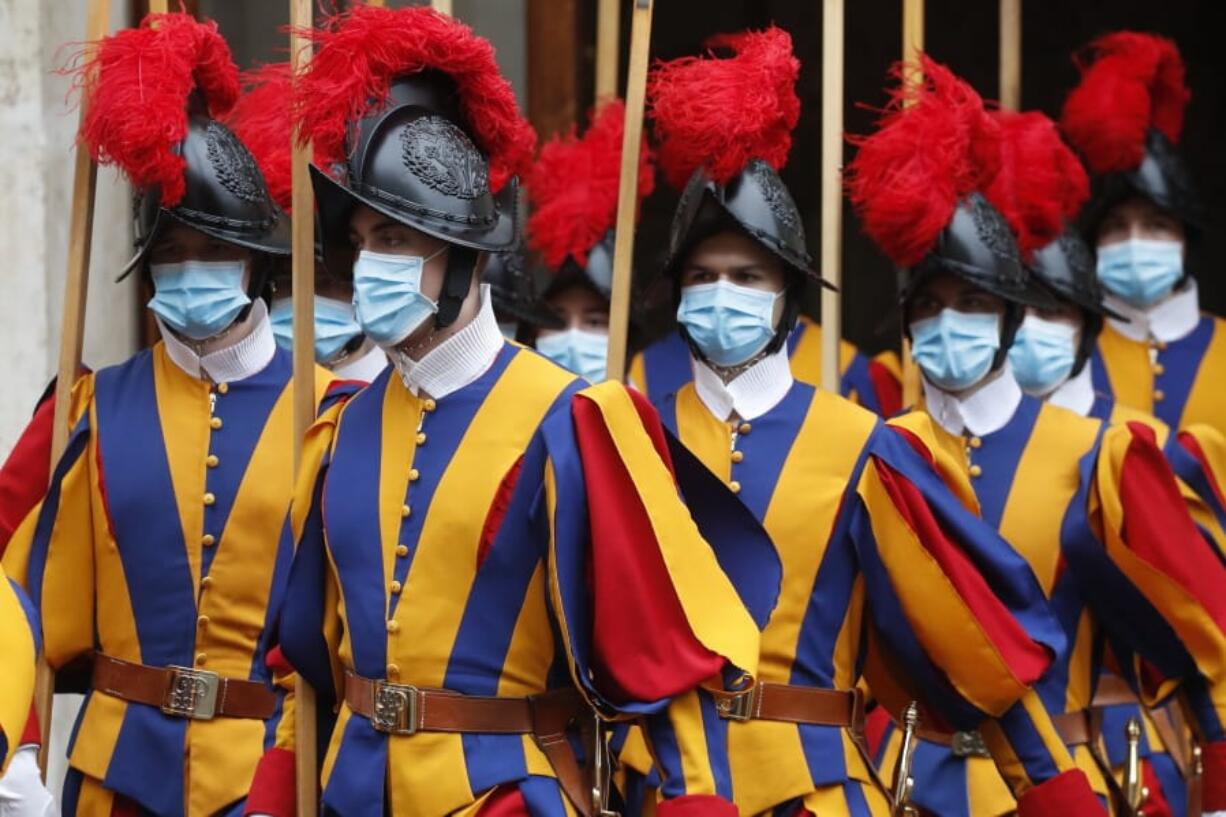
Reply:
x=668 y=364
x=156 y=550
x=18 y=650
x=488 y=549
x=886 y=575
x=574 y=186
x=1162 y=355
x=1095 y=511
x=261 y=120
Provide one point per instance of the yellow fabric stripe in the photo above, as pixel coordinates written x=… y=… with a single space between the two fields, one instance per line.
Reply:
x=768 y=764
x=818 y=468
x=531 y=650
x=637 y=374
x=711 y=604
x=183 y=408
x=1129 y=369
x=94 y=801
x=940 y=618
x=705 y=436
x=402 y=416
x=948 y=451
x=685 y=715
x=1207 y=400
x=427 y=774
x=17 y=680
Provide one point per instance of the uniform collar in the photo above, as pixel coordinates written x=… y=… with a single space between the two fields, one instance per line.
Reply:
x=238 y=361
x=457 y=361
x=365 y=367
x=1077 y=393
x=750 y=394
x=985 y=410
x=1168 y=320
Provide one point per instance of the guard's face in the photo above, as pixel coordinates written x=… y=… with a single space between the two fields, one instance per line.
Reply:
x=580 y=308
x=371 y=231
x=176 y=243
x=738 y=259
x=1065 y=313
x=945 y=291
x=1138 y=218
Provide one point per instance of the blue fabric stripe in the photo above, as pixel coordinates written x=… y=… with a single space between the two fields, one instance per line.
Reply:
x=542 y=796
x=1099 y=376
x=356 y=783
x=666 y=366
x=856 y=377
x=1181 y=362
x=32 y=620
x=1189 y=469
x=244 y=411
x=1028 y=744
x=766 y=448
x=1068 y=606
x=147 y=763
x=940 y=780
x=715 y=729
x=43 y=527
x=999 y=456
x=71 y=795
x=1173 y=787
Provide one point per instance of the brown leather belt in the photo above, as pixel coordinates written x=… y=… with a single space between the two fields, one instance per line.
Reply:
x=403 y=709
x=794 y=704
x=1113 y=691
x=1073 y=727
x=183 y=692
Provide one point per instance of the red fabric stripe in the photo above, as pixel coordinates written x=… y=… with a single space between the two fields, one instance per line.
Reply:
x=272 y=790
x=1027 y=659
x=1214 y=792
x=32 y=732
x=507 y=801
x=1156 y=805
x=498 y=510
x=915 y=442
x=1157 y=526
x=1192 y=445
x=24 y=476
x=275 y=661
x=887 y=387
x=875 y=724
x=696 y=805
x=1066 y=795
x=643 y=648
x=652 y=425
x=124 y=807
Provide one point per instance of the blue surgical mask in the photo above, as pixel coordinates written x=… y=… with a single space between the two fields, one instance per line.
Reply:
x=1042 y=355
x=729 y=323
x=388 y=297
x=584 y=353
x=336 y=324
x=1140 y=272
x=955 y=349
x=198 y=299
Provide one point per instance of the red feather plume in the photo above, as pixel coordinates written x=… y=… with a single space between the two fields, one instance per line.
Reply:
x=261 y=121
x=1041 y=184
x=721 y=113
x=138 y=83
x=1132 y=82
x=574 y=187
x=936 y=144
x=358 y=54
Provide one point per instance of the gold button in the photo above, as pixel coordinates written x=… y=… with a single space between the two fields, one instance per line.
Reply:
x=201 y=658
x=414 y=475
x=734 y=486
x=215 y=422
x=405 y=510
x=1159 y=395
x=737 y=456
x=975 y=470
x=209 y=499
x=208 y=540
x=393 y=671
x=203 y=621
x=393 y=626
x=1159 y=368
x=744 y=428
x=223 y=387
x=206 y=581
x=402 y=550
x=429 y=404
x=212 y=461
x=395 y=587
x=421 y=438
x=975 y=442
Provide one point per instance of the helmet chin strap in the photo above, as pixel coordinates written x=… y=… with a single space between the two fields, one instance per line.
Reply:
x=457 y=280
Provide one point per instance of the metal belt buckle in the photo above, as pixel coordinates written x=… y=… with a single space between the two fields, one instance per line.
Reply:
x=737 y=707
x=191 y=693
x=395 y=708
x=969 y=744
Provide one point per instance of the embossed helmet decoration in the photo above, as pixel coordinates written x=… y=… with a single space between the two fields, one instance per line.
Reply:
x=723 y=124
x=1040 y=189
x=1125 y=118
x=154 y=91
x=513 y=292
x=410 y=116
x=573 y=188
x=918 y=186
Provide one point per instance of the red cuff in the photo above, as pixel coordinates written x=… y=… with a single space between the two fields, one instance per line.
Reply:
x=696 y=805
x=1213 y=757
x=1066 y=795
x=32 y=733
x=273 y=790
